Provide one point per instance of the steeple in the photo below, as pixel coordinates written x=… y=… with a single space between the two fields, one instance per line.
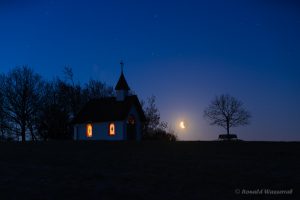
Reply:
x=122 y=66
x=122 y=87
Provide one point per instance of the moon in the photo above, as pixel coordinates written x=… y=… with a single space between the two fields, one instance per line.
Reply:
x=182 y=125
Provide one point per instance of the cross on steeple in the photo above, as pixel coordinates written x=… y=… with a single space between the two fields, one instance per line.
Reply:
x=122 y=65
x=122 y=87
x=122 y=83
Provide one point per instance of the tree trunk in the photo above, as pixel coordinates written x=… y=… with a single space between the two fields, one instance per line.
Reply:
x=23 y=132
x=33 y=138
x=227 y=128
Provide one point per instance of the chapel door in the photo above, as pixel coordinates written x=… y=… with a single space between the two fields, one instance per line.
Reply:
x=131 y=128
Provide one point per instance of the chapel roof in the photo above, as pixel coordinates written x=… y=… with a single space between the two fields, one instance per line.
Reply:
x=122 y=83
x=108 y=109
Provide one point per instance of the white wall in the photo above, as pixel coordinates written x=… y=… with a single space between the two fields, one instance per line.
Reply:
x=100 y=130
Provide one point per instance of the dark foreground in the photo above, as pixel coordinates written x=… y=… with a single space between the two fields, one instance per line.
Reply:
x=148 y=170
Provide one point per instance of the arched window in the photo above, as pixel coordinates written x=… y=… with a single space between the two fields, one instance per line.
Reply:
x=112 y=129
x=89 y=130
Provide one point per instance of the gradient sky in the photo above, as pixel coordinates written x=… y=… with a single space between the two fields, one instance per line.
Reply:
x=184 y=52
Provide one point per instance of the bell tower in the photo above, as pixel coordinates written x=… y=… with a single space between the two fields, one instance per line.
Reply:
x=122 y=87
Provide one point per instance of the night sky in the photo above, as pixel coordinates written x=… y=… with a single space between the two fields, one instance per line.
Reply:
x=183 y=52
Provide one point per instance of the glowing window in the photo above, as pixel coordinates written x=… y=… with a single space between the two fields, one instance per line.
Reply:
x=89 y=130
x=112 y=129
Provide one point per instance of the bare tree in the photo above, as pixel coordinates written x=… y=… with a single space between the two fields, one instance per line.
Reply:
x=154 y=128
x=152 y=114
x=3 y=117
x=22 y=98
x=69 y=75
x=227 y=111
x=56 y=111
x=95 y=89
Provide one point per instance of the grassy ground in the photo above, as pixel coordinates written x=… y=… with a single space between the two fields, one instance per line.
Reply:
x=147 y=170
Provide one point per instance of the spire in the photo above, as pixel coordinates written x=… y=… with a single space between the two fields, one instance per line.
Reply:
x=122 y=66
x=122 y=83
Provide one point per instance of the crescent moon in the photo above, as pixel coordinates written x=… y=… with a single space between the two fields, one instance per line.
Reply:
x=182 y=125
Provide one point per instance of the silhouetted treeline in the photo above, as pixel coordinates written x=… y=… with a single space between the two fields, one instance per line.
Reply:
x=32 y=108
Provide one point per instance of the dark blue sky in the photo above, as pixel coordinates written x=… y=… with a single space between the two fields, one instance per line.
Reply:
x=184 y=52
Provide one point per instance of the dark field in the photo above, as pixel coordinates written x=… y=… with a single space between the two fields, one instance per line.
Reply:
x=147 y=170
